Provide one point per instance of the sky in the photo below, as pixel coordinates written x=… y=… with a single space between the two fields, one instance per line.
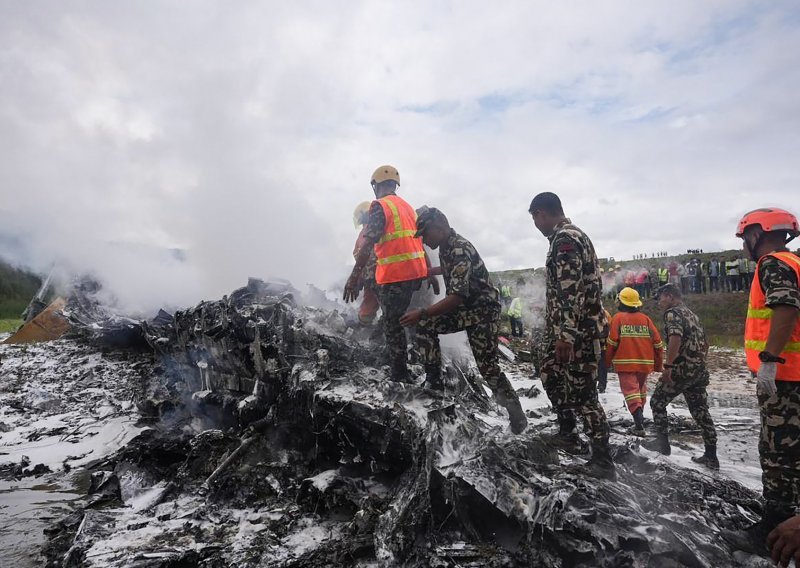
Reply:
x=245 y=133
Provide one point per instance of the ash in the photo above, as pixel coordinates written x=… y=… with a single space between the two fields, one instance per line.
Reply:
x=252 y=431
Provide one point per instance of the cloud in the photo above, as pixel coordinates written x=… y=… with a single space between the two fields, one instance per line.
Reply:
x=246 y=133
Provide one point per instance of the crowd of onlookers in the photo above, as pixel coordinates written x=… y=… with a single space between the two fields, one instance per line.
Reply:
x=719 y=274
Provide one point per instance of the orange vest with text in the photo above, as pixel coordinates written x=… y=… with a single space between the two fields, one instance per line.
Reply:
x=400 y=256
x=634 y=344
x=759 y=318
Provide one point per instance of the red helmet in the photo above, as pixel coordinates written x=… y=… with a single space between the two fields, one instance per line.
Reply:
x=770 y=219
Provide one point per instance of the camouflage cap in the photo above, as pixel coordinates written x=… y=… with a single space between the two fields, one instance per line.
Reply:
x=668 y=289
x=426 y=216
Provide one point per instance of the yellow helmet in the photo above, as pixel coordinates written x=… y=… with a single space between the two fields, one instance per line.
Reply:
x=361 y=208
x=385 y=173
x=629 y=297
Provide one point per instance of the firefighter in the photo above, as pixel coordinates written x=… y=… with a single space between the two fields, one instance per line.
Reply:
x=400 y=263
x=636 y=350
x=471 y=303
x=772 y=347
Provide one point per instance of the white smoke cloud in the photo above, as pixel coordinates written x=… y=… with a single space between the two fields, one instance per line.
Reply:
x=245 y=133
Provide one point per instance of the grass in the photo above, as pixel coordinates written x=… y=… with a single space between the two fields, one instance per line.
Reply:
x=727 y=341
x=9 y=325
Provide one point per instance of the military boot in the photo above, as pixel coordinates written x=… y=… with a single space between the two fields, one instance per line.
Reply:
x=509 y=400
x=601 y=465
x=658 y=444
x=638 y=422
x=400 y=374
x=569 y=441
x=753 y=539
x=433 y=377
x=708 y=459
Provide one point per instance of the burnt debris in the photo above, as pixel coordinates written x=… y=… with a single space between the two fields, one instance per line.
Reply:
x=276 y=439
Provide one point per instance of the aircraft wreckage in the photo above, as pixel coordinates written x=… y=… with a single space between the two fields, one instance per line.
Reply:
x=275 y=438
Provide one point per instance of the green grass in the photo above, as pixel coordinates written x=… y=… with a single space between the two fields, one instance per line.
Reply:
x=727 y=341
x=9 y=325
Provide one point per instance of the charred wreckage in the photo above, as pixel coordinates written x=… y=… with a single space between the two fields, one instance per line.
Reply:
x=274 y=438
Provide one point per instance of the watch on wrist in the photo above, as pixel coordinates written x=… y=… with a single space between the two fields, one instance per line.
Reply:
x=767 y=357
x=423 y=313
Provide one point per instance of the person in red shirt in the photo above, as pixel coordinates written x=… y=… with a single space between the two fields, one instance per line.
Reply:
x=635 y=348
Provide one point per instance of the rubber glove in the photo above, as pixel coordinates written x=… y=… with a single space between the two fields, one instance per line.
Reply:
x=766 y=378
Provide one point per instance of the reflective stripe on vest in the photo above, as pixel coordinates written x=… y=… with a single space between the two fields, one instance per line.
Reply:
x=398 y=232
x=399 y=254
x=400 y=257
x=759 y=319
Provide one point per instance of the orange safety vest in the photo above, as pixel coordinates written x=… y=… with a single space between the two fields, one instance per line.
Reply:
x=400 y=256
x=634 y=344
x=756 y=329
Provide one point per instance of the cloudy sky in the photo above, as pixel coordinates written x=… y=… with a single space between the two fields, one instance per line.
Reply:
x=246 y=132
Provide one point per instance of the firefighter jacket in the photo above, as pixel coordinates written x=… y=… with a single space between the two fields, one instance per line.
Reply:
x=399 y=254
x=771 y=288
x=634 y=344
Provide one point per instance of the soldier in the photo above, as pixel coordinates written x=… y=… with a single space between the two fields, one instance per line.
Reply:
x=772 y=346
x=575 y=322
x=471 y=303
x=401 y=264
x=684 y=373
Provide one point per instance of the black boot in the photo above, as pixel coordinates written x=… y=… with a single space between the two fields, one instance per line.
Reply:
x=638 y=423
x=510 y=401
x=600 y=464
x=753 y=539
x=567 y=437
x=433 y=377
x=708 y=459
x=658 y=444
x=400 y=374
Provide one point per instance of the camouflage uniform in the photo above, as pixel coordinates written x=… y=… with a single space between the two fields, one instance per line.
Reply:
x=689 y=375
x=779 y=443
x=394 y=299
x=574 y=313
x=465 y=275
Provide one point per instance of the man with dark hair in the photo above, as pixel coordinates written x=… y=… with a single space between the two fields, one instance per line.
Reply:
x=684 y=373
x=471 y=303
x=547 y=202
x=575 y=322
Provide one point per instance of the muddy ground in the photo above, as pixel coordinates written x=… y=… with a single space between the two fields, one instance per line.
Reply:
x=306 y=455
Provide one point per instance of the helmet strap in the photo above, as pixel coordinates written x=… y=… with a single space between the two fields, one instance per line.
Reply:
x=751 y=250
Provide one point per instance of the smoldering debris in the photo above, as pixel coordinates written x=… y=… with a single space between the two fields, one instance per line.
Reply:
x=276 y=439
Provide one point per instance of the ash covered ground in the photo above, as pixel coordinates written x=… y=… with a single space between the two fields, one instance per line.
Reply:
x=252 y=431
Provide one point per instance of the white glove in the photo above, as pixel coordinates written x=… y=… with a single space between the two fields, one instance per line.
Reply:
x=766 y=378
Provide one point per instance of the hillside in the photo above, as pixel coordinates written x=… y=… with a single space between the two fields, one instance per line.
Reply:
x=16 y=290
x=722 y=314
